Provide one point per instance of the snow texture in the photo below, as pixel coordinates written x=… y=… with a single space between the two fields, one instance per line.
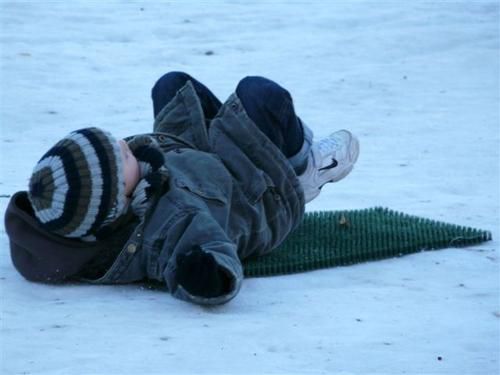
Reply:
x=417 y=81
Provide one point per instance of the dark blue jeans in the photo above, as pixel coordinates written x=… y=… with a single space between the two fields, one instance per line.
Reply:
x=268 y=104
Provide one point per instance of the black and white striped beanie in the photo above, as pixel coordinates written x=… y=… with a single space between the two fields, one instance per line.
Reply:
x=79 y=185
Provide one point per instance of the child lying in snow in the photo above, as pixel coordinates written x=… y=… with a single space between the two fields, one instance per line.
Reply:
x=213 y=184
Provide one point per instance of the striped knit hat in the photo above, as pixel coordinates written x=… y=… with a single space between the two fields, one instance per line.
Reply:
x=79 y=185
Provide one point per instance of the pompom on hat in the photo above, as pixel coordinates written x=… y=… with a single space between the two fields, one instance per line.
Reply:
x=79 y=185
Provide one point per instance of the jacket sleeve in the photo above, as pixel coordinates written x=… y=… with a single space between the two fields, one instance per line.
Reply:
x=200 y=239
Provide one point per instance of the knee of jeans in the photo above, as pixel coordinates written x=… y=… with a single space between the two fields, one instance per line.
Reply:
x=258 y=88
x=170 y=79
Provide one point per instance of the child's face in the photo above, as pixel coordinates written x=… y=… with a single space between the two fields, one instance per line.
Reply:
x=130 y=168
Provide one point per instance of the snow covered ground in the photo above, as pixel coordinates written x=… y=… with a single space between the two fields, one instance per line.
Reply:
x=417 y=81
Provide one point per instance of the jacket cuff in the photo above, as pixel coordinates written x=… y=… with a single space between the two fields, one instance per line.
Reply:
x=234 y=270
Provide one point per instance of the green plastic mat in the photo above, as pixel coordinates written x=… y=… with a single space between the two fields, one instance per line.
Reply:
x=340 y=238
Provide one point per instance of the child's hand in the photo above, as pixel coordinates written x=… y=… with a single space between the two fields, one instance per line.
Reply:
x=200 y=275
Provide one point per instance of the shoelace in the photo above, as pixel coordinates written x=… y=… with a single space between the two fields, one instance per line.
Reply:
x=326 y=145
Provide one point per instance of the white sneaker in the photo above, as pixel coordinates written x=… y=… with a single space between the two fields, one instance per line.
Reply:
x=330 y=160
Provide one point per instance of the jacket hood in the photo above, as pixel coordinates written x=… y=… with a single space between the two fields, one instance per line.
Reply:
x=39 y=255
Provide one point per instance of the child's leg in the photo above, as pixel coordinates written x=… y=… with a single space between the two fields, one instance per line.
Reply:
x=270 y=106
x=167 y=86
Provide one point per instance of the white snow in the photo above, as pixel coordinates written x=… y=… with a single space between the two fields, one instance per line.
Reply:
x=418 y=82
